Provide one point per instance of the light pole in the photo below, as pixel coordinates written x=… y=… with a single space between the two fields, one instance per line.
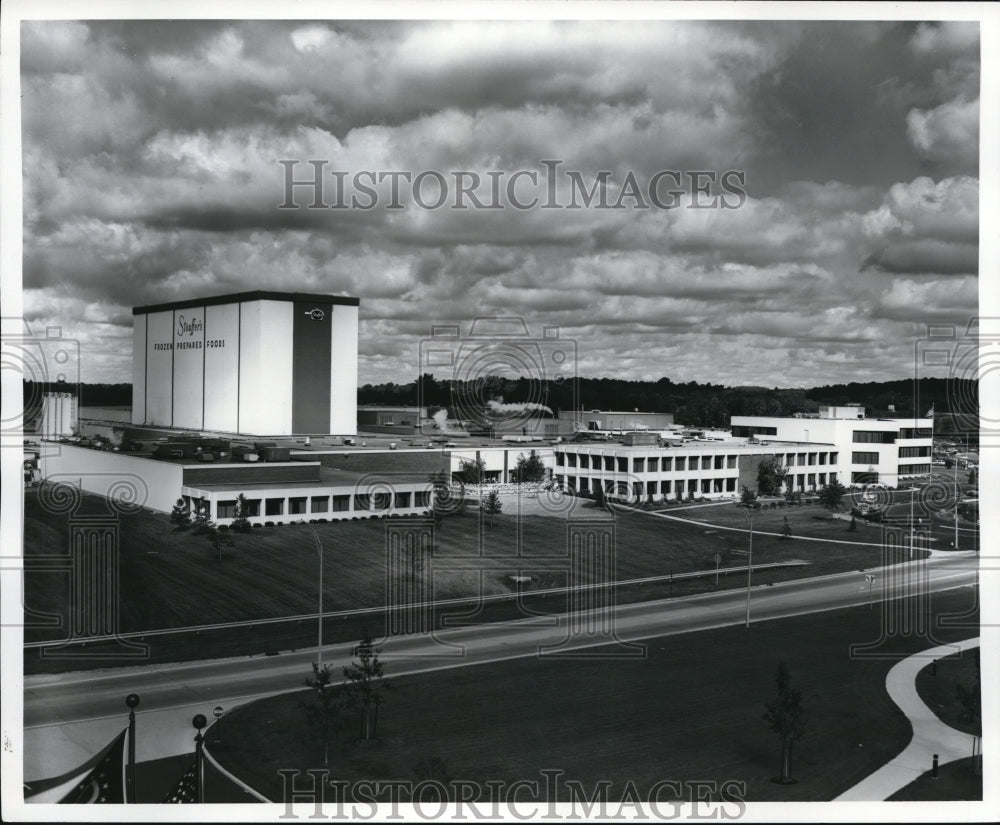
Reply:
x=319 y=610
x=749 y=514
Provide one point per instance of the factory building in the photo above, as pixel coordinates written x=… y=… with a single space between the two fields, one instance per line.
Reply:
x=872 y=450
x=258 y=363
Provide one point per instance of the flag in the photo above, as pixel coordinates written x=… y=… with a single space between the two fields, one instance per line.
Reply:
x=105 y=783
x=930 y=412
x=187 y=789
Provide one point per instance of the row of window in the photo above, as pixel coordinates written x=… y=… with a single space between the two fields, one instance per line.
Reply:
x=301 y=505
x=914 y=452
x=680 y=487
x=667 y=464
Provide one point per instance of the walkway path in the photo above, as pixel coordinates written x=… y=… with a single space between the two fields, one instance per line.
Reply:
x=930 y=735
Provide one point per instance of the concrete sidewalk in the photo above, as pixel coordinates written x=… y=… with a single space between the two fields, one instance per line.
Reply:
x=930 y=735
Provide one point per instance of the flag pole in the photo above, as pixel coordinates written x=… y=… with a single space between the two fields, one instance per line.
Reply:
x=132 y=702
x=199 y=722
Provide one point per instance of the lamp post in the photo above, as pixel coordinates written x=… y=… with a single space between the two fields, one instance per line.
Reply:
x=319 y=609
x=199 y=722
x=132 y=702
x=749 y=515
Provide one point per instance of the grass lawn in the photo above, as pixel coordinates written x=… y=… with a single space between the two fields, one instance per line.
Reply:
x=173 y=579
x=937 y=688
x=692 y=710
x=956 y=781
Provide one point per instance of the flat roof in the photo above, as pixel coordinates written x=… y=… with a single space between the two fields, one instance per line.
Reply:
x=711 y=446
x=242 y=297
x=327 y=478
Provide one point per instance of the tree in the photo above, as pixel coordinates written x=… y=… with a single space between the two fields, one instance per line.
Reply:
x=970 y=698
x=491 y=505
x=367 y=685
x=786 y=530
x=202 y=523
x=784 y=715
x=181 y=515
x=445 y=499
x=972 y=476
x=853 y=526
x=832 y=495
x=770 y=474
x=241 y=523
x=599 y=497
x=530 y=468
x=748 y=498
x=325 y=710
x=217 y=539
x=473 y=472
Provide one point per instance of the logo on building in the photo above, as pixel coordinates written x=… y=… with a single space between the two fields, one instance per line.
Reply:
x=316 y=314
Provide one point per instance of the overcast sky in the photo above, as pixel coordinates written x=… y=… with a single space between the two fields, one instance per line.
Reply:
x=151 y=173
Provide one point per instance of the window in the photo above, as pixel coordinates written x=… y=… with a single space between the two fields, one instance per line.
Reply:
x=651 y=488
x=822 y=479
x=297 y=505
x=341 y=504
x=584 y=461
x=730 y=485
x=638 y=465
x=720 y=461
x=380 y=501
x=706 y=463
x=914 y=452
x=731 y=462
x=915 y=469
x=274 y=506
x=919 y=432
x=571 y=459
x=802 y=460
x=402 y=500
x=668 y=464
x=363 y=501
x=680 y=462
x=560 y=459
x=864 y=458
x=706 y=485
x=864 y=478
x=873 y=437
x=609 y=463
x=320 y=504
x=812 y=458
x=822 y=458
x=225 y=509
x=746 y=431
x=584 y=485
x=423 y=498
x=653 y=463
x=622 y=464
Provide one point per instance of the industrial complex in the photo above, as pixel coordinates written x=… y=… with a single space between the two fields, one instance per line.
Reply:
x=255 y=394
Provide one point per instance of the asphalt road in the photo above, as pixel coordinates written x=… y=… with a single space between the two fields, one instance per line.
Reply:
x=68 y=717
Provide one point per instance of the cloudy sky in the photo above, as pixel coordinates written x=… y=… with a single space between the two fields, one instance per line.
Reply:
x=151 y=173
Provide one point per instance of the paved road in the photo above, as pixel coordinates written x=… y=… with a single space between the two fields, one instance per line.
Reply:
x=69 y=717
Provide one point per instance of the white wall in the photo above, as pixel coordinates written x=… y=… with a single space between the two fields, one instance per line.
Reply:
x=222 y=367
x=159 y=367
x=344 y=371
x=146 y=481
x=138 y=369
x=189 y=366
x=274 y=389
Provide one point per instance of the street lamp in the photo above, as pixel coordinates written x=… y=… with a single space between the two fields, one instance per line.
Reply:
x=749 y=515
x=319 y=610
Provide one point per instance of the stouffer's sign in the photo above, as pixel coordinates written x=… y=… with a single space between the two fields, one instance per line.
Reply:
x=185 y=327
x=315 y=314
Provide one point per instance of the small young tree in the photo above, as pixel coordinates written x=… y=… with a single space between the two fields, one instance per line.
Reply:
x=241 y=523
x=202 y=522
x=972 y=476
x=491 y=505
x=971 y=700
x=530 y=468
x=367 y=685
x=832 y=495
x=786 y=530
x=181 y=515
x=748 y=498
x=770 y=474
x=325 y=709
x=784 y=715
x=853 y=526
x=217 y=539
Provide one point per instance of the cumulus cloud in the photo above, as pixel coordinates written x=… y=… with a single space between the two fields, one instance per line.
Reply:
x=151 y=173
